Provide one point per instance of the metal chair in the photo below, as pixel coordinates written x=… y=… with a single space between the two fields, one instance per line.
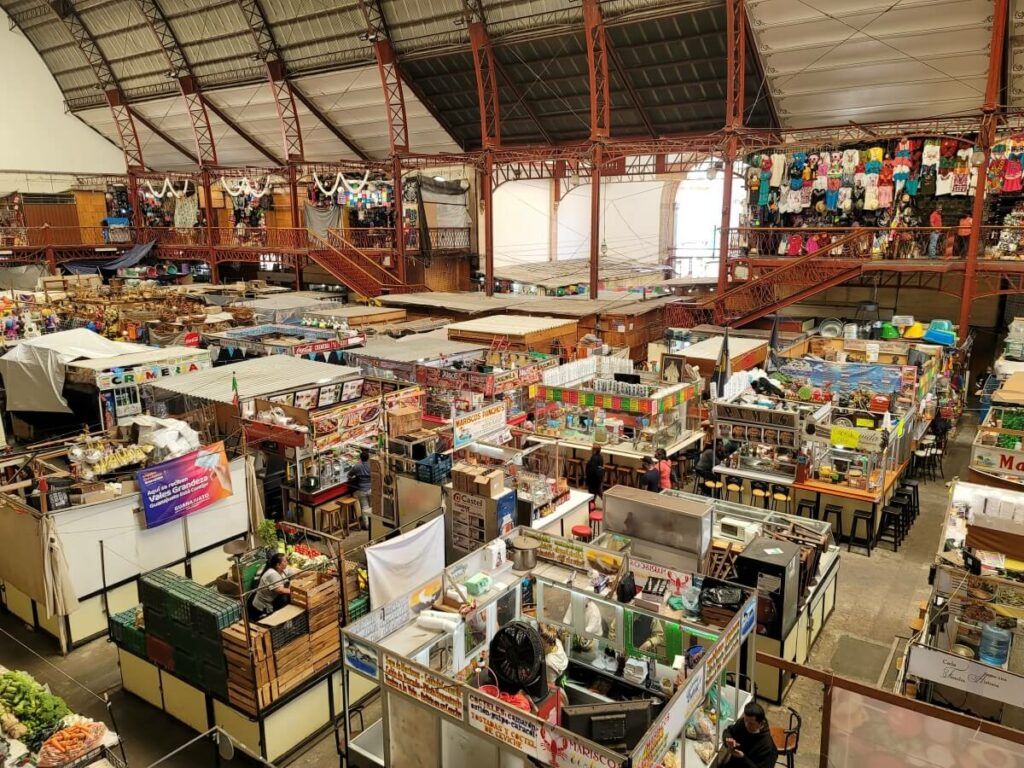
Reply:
x=759 y=493
x=787 y=740
x=806 y=508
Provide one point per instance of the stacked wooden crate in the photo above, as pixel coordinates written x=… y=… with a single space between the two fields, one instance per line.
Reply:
x=318 y=594
x=251 y=676
x=293 y=664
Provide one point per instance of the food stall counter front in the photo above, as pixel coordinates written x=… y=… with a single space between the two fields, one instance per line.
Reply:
x=972 y=649
x=464 y=671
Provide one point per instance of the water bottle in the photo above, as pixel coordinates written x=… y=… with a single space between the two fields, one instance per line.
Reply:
x=995 y=645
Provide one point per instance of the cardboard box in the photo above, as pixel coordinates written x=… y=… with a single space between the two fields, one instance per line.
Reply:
x=402 y=421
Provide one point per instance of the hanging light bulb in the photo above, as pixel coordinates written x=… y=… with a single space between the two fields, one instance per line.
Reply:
x=977 y=158
x=604 y=248
x=712 y=173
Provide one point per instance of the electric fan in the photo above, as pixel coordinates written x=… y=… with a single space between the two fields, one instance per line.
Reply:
x=517 y=660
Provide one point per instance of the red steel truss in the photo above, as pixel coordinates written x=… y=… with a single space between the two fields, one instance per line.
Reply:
x=597 y=66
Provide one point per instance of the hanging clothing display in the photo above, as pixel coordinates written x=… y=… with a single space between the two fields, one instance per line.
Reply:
x=186 y=212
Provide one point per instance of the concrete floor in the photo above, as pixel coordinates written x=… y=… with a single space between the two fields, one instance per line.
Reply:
x=878 y=597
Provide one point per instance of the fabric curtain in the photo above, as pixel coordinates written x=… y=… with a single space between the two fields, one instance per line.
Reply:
x=405 y=562
x=253 y=488
x=60 y=592
x=667 y=227
x=319 y=220
x=186 y=212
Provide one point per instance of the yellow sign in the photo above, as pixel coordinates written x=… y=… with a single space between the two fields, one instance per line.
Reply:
x=844 y=437
x=865 y=423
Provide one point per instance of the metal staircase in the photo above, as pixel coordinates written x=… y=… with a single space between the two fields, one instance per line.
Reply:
x=799 y=279
x=354 y=268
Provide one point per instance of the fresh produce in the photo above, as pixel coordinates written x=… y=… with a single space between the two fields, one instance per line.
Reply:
x=35 y=708
x=70 y=744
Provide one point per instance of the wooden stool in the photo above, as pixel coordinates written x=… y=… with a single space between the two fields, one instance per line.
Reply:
x=330 y=517
x=868 y=540
x=834 y=517
x=581 y=532
x=596 y=519
x=574 y=471
x=351 y=514
x=637 y=476
x=891 y=528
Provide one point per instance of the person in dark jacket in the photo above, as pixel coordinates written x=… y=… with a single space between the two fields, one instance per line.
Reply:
x=594 y=474
x=749 y=740
x=651 y=480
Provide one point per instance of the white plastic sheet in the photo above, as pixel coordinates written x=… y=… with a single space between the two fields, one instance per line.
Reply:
x=400 y=564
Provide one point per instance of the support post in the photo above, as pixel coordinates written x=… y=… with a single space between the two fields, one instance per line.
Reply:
x=210 y=244
x=986 y=139
x=133 y=199
x=597 y=64
x=293 y=194
x=595 y=218
x=556 y=198
x=723 y=232
x=396 y=173
x=736 y=47
x=487 y=194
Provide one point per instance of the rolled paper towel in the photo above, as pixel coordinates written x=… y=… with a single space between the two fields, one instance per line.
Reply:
x=437 y=625
x=452 y=618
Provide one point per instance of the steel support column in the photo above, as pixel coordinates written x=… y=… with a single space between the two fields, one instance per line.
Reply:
x=486 y=85
x=556 y=198
x=986 y=139
x=597 y=65
x=595 y=218
x=487 y=195
x=211 y=246
x=736 y=47
x=396 y=174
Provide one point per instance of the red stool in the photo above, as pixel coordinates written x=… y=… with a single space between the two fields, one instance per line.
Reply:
x=596 y=518
x=581 y=532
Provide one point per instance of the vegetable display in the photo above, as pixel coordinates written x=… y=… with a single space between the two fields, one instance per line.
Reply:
x=28 y=711
x=70 y=744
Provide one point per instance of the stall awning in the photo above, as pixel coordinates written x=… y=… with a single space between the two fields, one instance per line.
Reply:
x=90 y=267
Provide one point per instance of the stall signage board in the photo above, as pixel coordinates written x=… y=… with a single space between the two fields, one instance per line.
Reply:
x=846 y=377
x=1000 y=460
x=423 y=685
x=668 y=727
x=140 y=374
x=453 y=378
x=749 y=414
x=474 y=426
x=187 y=484
x=718 y=657
x=966 y=675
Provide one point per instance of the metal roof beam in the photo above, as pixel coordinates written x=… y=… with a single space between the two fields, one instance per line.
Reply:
x=340 y=135
x=181 y=148
x=597 y=66
x=484 y=68
x=181 y=70
x=391 y=80
x=631 y=91
x=230 y=123
x=280 y=88
x=129 y=137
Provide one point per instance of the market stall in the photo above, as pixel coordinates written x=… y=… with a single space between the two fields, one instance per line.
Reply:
x=461 y=666
x=744 y=354
x=970 y=652
x=461 y=306
x=398 y=358
x=519 y=333
x=997 y=456
x=195 y=651
x=286 y=305
x=357 y=316
x=276 y=339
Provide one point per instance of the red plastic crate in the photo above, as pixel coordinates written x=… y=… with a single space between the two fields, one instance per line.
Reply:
x=160 y=652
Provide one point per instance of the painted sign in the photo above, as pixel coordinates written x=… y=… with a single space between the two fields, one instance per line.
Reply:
x=187 y=484
x=753 y=415
x=470 y=427
x=846 y=377
x=669 y=725
x=718 y=657
x=966 y=675
x=140 y=374
x=423 y=685
x=1001 y=460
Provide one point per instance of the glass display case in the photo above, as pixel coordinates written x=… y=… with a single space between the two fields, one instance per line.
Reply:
x=859 y=470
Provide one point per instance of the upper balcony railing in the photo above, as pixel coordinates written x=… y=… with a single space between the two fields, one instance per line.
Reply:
x=878 y=243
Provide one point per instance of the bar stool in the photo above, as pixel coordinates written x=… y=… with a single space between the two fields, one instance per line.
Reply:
x=574 y=471
x=782 y=494
x=905 y=502
x=834 y=517
x=636 y=476
x=330 y=516
x=806 y=508
x=596 y=520
x=868 y=518
x=891 y=528
x=581 y=533
x=919 y=463
x=350 y=513
x=935 y=455
x=734 y=484
x=713 y=486
x=759 y=492
x=911 y=486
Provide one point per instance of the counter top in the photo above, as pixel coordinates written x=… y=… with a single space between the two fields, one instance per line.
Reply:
x=621 y=449
x=576 y=500
x=845 y=492
x=749 y=474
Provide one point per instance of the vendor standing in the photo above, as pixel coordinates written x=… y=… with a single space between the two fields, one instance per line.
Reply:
x=594 y=473
x=360 y=477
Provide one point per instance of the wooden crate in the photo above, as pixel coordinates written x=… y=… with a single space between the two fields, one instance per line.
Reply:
x=325 y=646
x=292 y=655
x=250 y=666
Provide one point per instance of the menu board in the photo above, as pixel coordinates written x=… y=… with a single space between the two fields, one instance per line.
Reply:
x=423 y=685
x=669 y=725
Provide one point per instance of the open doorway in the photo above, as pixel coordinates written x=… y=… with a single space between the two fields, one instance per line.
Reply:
x=698 y=216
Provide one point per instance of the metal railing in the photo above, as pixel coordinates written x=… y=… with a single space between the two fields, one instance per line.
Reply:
x=881 y=243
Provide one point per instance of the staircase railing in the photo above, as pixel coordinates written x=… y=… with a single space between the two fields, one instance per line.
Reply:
x=341 y=266
x=792 y=282
x=338 y=241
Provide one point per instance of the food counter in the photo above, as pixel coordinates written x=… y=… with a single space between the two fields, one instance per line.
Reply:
x=444 y=711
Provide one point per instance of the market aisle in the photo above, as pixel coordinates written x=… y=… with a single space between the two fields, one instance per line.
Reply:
x=877 y=598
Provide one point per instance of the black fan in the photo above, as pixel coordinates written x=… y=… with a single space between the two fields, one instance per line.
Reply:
x=517 y=659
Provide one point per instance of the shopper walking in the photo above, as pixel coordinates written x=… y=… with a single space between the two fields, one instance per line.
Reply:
x=360 y=478
x=963 y=235
x=666 y=472
x=651 y=479
x=594 y=473
x=935 y=221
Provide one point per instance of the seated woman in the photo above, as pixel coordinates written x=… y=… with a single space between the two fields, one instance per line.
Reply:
x=273 y=592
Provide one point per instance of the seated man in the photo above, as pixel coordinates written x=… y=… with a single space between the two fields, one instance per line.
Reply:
x=749 y=740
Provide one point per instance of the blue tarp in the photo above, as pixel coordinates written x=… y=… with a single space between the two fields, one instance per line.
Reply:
x=131 y=257
x=90 y=267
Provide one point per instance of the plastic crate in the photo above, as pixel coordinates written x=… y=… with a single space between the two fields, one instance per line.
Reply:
x=212 y=612
x=160 y=652
x=157 y=624
x=215 y=679
x=124 y=632
x=210 y=651
x=358 y=606
x=153 y=586
x=179 y=597
x=284 y=633
x=188 y=667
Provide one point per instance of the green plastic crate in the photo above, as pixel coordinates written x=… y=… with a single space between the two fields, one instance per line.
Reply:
x=212 y=612
x=188 y=667
x=358 y=607
x=153 y=587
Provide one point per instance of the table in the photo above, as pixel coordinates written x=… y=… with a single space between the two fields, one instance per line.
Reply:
x=576 y=506
x=874 y=498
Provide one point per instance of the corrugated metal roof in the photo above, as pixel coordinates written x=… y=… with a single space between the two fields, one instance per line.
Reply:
x=462 y=303
x=132 y=359
x=558 y=274
x=257 y=377
x=414 y=348
x=510 y=325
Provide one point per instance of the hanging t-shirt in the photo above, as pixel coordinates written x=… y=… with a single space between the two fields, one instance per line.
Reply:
x=763 y=190
x=845 y=198
x=851 y=157
x=885 y=195
x=944 y=184
x=832 y=199
x=961 y=183
x=1012 y=172
x=778 y=169
x=931 y=153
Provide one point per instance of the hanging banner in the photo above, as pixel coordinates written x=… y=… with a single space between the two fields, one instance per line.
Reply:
x=187 y=484
x=966 y=675
x=470 y=427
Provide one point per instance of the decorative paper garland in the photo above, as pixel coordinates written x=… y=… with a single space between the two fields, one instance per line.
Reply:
x=167 y=189
x=339 y=178
x=245 y=188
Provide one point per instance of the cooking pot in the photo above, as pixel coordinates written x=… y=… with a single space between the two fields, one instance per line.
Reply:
x=524 y=553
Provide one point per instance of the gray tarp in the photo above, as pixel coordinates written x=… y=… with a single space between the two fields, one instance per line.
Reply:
x=319 y=220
